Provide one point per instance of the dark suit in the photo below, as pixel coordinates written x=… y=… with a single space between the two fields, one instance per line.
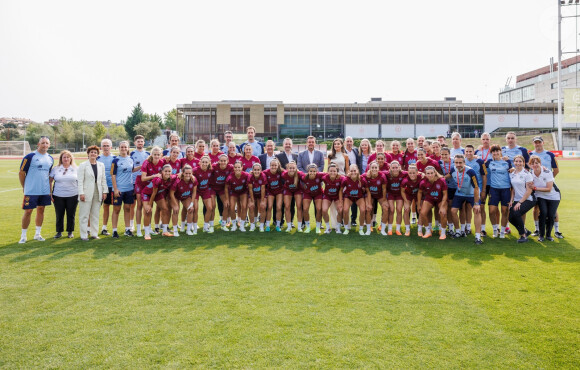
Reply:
x=284 y=159
x=283 y=162
x=264 y=160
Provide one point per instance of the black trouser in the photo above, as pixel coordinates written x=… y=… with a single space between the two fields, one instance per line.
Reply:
x=515 y=217
x=220 y=205
x=548 y=209
x=66 y=205
x=353 y=212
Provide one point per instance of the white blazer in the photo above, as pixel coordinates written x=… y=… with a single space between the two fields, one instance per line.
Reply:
x=86 y=180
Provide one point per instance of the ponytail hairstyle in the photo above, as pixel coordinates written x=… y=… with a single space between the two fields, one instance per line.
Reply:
x=296 y=177
x=311 y=165
x=333 y=165
x=155 y=149
x=185 y=168
x=279 y=170
x=208 y=160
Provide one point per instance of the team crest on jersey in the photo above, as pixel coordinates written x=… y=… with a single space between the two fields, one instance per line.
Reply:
x=438 y=186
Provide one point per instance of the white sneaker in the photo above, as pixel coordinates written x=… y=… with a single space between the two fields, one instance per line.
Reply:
x=346 y=231
x=289 y=229
x=327 y=231
x=39 y=238
x=211 y=229
x=22 y=240
x=252 y=227
x=338 y=230
x=194 y=231
x=368 y=232
x=502 y=235
x=139 y=234
x=176 y=233
x=243 y=229
x=361 y=231
x=234 y=226
x=225 y=228
x=383 y=231
x=261 y=228
x=189 y=232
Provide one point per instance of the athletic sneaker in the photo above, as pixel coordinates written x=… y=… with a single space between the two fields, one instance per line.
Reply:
x=467 y=231
x=261 y=228
x=139 y=234
x=338 y=231
x=225 y=228
x=38 y=238
x=528 y=233
x=175 y=233
x=368 y=232
x=128 y=233
x=478 y=241
x=463 y=234
x=549 y=238
x=153 y=232
x=58 y=235
x=268 y=228
x=327 y=231
x=189 y=232
x=115 y=235
x=558 y=235
x=278 y=229
x=427 y=235
x=105 y=232
x=95 y=237
x=353 y=224
x=70 y=235
x=234 y=226
x=502 y=235
x=156 y=231
x=456 y=235
x=483 y=233
x=522 y=239
x=420 y=233
x=495 y=234
x=252 y=227
x=390 y=232
x=167 y=233
x=540 y=239
x=147 y=237
x=442 y=236
x=361 y=231
x=289 y=229
x=306 y=230
x=398 y=232
x=318 y=230
x=242 y=228
x=194 y=231
x=536 y=233
x=346 y=231
x=22 y=240
x=211 y=229
x=384 y=232
x=408 y=232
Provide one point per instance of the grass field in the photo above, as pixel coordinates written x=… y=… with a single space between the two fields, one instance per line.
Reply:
x=278 y=300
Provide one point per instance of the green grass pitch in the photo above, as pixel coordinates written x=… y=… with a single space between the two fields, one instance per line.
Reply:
x=276 y=300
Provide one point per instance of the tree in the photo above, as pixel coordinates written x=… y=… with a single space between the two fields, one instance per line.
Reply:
x=171 y=119
x=10 y=132
x=117 y=133
x=150 y=130
x=100 y=131
x=34 y=131
x=137 y=116
x=154 y=118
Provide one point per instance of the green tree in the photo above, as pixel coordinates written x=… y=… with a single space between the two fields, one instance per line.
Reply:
x=35 y=130
x=154 y=118
x=171 y=119
x=100 y=131
x=10 y=132
x=117 y=133
x=150 y=130
x=137 y=116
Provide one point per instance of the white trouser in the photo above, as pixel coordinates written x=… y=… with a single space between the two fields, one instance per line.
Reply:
x=90 y=208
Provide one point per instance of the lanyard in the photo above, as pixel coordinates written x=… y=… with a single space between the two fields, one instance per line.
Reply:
x=447 y=170
x=487 y=155
x=462 y=178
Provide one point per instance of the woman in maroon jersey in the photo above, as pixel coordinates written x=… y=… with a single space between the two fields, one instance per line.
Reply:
x=190 y=158
x=199 y=149
x=312 y=191
x=173 y=160
x=203 y=175
x=184 y=191
x=248 y=160
x=220 y=172
x=434 y=191
x=292 y=189
x=354 y=190
x=395 y=177
x=157 y=192
x=236 y=189
x=383 y=162
x=151 y=168
x=409 y=190
x=274 y=192
x=214 y=152
x=423 y=161
x=377 y=187
x=384 y=168
x=436 y=149
x=257 y=200
x=396 y=154
x=379 y=148
x=233 y=155
x=332 y=194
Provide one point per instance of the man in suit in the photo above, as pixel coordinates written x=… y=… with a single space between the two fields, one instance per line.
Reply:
x=287 y=155
x=310 y=155
x=353 y=157
x=267 y=157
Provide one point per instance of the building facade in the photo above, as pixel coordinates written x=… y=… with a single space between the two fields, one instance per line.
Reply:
x=375 y=119
x=541 y=85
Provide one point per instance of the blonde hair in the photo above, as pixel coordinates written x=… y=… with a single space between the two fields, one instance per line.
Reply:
x=66 y=152
x=153 y=150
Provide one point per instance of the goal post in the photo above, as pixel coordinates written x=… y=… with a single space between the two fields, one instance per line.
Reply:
x=14 y=148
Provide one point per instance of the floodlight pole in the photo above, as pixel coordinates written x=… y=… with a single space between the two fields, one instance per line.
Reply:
x=560 y=141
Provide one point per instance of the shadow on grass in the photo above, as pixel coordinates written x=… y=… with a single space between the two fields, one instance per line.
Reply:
x=459 y=249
